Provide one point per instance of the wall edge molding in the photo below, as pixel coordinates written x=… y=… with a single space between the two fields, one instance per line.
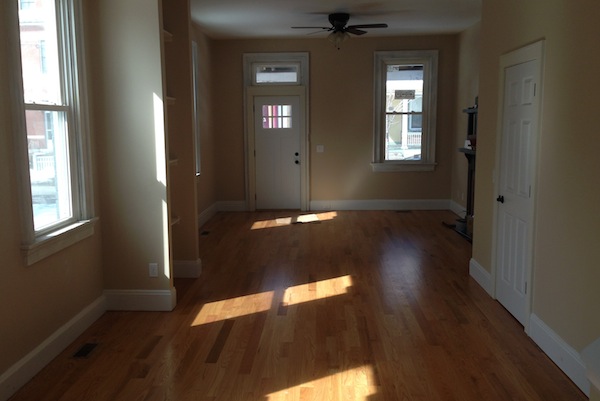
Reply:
x=26 y=368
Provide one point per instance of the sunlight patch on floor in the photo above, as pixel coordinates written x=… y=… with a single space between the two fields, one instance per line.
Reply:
x=289 y=220
x=234 y=307
x=352 y=385
x=262 y=302
x=317 y=290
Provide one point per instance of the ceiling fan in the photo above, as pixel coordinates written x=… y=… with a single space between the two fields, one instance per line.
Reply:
x=340 y=30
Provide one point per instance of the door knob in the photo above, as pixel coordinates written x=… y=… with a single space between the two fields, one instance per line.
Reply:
x=500 y=199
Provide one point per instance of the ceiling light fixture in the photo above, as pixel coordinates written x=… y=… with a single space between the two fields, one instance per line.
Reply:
x=337 y=38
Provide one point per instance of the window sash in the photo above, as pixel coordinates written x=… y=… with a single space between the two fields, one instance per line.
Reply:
x=67 y=112
x=427 y=58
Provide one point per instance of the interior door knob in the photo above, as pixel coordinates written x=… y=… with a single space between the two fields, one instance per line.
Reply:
x=500 y=199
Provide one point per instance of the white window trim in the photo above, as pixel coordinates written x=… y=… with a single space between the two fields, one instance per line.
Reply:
x=429 y=59
x=37 y=246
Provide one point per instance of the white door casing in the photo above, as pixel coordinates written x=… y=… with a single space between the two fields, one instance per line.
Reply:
x=297 y=85
x=521 y=80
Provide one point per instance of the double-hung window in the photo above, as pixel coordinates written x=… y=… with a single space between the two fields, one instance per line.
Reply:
x=55 y=129
x=405 y=110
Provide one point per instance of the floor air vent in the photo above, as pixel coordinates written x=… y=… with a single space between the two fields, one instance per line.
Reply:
x=85 y=350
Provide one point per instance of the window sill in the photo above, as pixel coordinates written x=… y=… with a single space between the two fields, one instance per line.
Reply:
x=401 y=166
x=56 y=241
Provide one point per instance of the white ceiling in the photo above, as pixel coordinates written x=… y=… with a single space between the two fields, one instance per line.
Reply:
x=227 y=19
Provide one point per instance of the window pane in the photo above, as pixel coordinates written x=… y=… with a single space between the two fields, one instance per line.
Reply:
x=267 y=74
x=404 y=112
x=48 y=167
x=39 y=53
x=277 y=116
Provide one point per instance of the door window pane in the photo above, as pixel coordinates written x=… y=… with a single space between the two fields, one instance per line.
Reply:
x=277 y=116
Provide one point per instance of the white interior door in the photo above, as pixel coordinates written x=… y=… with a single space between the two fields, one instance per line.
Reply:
x=515 y=203
x=277 y=152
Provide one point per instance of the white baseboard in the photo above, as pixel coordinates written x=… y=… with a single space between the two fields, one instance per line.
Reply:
x=591 y=357
x=561 y=353
x=187 y=268
x=24 y=370
x=207 y=214
x=481 y=276
x=458 y=209
x=232 y=206
x=141 y=300
x=382 y=204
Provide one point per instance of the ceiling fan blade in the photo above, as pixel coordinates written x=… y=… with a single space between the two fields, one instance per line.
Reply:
x=311 y=27
x=321 y=30
x=355 y=31
x=368 y=26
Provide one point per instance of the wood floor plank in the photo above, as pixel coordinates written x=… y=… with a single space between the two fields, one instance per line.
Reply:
x=353 y=306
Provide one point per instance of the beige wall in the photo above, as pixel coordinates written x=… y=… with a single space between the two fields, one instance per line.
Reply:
x=180 y=128
x=341 y=118
x=127 y=95
x=34 y=300
x=467 y=90
x=567 y=222
x=207 y=181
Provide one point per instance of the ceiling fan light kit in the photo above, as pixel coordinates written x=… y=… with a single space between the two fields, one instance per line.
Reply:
x=339 y=29
x=337 y=38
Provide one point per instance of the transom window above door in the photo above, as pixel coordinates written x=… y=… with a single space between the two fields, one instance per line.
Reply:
x=276 y=74
x=275 y=69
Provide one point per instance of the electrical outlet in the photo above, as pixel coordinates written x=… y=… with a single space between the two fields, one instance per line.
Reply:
x=153 y=269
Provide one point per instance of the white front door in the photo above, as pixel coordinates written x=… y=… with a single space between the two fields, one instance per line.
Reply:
x=516 y=173
x=277 y=152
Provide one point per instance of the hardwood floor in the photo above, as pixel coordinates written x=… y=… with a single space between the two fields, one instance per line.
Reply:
x=353 y=306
